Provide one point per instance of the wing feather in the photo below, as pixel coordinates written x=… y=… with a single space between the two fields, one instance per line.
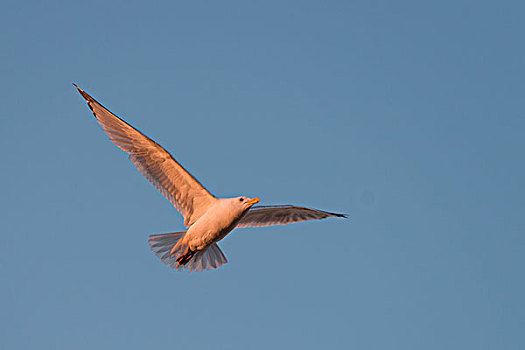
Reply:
x=186 y=194
x=282 y=215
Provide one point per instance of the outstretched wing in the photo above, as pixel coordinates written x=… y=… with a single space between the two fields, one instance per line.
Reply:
x=158 y=166
x=281 y=215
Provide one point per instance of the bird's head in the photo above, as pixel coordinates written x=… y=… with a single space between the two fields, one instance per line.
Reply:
x=245 y=202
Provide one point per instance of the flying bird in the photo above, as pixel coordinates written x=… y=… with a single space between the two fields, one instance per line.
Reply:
x=208 y=219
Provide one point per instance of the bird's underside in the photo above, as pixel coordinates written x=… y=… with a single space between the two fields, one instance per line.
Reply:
x=203 y=213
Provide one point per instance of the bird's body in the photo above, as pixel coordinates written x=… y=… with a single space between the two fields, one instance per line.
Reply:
x=208 y=219
x=216 y=222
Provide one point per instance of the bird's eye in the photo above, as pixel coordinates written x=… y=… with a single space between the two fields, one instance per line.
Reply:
x=241 y=199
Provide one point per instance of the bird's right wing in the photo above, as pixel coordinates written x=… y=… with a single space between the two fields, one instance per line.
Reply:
x=186 y=194
x=281 y=215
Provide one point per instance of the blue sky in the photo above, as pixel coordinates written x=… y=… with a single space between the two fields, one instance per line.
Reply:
x=408 y=116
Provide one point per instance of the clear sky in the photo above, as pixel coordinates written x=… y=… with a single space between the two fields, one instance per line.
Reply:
x=408 y=116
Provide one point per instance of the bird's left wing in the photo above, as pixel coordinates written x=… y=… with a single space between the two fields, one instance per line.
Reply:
x=281 y=215
x=186 y=194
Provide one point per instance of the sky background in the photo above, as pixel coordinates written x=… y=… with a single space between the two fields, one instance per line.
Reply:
x=407 y=115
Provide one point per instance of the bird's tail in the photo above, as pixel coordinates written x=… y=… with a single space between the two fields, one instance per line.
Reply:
x=206 y=259
x=162 y=245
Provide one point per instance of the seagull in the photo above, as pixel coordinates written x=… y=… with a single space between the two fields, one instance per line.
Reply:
x=208 y=219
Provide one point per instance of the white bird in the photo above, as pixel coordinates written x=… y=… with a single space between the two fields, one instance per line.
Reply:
x=208 y=219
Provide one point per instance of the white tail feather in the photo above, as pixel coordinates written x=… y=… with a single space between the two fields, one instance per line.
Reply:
x=207 y=259
x=162 y=244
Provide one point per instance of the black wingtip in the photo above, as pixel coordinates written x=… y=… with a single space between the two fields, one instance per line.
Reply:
x=79 y=89
x=86 y=96
x=337 y=215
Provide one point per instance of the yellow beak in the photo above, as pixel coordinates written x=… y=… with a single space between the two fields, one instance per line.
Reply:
x=254 y=200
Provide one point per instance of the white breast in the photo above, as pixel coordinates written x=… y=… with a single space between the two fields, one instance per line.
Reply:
x=214 y=225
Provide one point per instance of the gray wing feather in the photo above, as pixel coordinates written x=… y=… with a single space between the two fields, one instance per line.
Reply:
x=186 y=194
x=282 y=215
